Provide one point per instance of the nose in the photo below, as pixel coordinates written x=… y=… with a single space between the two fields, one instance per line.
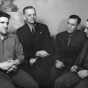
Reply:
x=69 y=25
x=5 y=25
x=32 y=16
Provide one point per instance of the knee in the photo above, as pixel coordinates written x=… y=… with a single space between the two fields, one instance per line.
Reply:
x=80 y=86
x=59 y=83
x=34 y=85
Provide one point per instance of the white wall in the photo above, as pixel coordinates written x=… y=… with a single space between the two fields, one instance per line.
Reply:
x=55 y=13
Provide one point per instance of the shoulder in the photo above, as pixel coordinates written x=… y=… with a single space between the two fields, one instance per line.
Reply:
x=12 y=36
x=61 y=33
x=40 y=25
x=80 y=33
x=21 y=29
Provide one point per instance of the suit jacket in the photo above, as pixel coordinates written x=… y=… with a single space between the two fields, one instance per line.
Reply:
x=82 y=60
x=68 y=54
x=32 y=43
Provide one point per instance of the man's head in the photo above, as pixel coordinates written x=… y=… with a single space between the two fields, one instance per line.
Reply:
x=86 y=27
x=4 y=21
x=29 y=13
x=73 y=23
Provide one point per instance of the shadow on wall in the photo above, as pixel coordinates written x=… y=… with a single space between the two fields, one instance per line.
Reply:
x=82 y=27
x=62 y=25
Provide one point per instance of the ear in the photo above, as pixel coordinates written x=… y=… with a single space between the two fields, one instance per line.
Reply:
x=24 y=17
x=78 y=27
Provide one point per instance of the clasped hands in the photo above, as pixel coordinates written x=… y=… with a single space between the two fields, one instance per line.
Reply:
x=41 y=54
x=9 y=65
x=81 y=73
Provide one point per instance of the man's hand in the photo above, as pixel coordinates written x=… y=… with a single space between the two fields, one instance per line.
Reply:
x=6 y=65
x=32 y=61
x=59 y=64
x=16 y=62
x=13 y=68
x=83 y=73
x=42 y=53
x=74 y=68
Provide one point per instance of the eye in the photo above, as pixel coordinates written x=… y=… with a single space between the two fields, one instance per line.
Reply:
x=2 y=22
x=86 y=28
x=7 y=23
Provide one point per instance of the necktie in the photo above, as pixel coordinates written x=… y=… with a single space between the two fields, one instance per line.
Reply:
x=69 y=39
x=33 y=29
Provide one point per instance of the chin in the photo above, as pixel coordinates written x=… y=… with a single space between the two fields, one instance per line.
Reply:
x=4 y=33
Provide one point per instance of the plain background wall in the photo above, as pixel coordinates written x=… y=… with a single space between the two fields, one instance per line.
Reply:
x=54 y=13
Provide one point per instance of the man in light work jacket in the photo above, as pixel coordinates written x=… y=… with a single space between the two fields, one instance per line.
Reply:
x=11 y=56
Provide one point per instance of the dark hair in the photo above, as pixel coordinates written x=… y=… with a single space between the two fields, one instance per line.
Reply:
x=3 y=14
x=28 y=7
x=76 y=17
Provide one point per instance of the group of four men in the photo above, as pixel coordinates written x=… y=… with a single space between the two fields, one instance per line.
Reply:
x=34 y=44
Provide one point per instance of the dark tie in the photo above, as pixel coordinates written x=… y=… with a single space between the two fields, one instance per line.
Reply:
x=33 y=29
x=69 y=39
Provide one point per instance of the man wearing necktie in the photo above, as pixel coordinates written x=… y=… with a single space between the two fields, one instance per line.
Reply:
x=68 y=45
x=37 y=46
x=78 y=76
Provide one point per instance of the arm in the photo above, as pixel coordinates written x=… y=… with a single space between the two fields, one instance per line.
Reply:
x=57 y=48
x=18 y=51
x=57 y=56
x=81 y=56
x=48 y=43
x=46 y=46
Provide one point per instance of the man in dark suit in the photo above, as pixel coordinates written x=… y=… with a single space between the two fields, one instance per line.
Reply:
x=78 y=76
x=37 y=46
x=69 y=45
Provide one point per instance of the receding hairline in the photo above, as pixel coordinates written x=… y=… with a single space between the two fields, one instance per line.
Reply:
x=28 y=7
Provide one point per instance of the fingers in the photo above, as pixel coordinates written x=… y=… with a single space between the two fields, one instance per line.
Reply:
x=59 y=64
x=32 y=61
x=74 y=68
x=13 y=68
x=10 y=60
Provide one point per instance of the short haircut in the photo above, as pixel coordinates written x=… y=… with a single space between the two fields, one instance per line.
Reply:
x=28 y=7
x=76 y=17
x=3 y=14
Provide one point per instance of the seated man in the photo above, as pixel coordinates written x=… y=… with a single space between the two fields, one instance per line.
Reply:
x=37 y=46
x=69 y=45
x=78 y=76
x=11 y=55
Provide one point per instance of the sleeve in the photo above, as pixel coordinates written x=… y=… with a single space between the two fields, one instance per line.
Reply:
x=19 y=51
x=48 y=41
x=57 y=48
x=86 y=59
x=82 y=54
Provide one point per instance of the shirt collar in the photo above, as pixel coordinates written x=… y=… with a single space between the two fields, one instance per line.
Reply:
x=31 y=26
x=3 y=37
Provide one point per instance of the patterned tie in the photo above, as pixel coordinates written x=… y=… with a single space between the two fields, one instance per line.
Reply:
x=69 y=40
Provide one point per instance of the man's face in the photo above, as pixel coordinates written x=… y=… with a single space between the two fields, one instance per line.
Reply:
x=4 y=25
x=30 y=15
x=86 y=28
x=72 y=25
